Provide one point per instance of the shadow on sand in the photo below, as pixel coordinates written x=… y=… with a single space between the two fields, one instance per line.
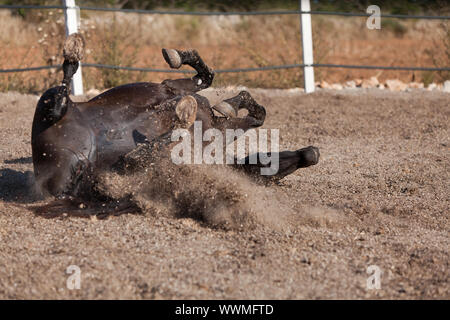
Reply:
x=17 y=186
x=23 y=160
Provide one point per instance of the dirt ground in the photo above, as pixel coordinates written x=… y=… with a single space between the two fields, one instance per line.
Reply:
x=379 y=196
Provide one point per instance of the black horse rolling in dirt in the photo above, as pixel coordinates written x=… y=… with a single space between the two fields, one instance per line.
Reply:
x=72 y=142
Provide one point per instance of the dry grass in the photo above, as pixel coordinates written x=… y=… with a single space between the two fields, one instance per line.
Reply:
x=440 y=58
x=118 y=45
x=224 y=42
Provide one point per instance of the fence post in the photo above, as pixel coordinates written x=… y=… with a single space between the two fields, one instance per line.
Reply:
x=307 y=45
x=71 y=14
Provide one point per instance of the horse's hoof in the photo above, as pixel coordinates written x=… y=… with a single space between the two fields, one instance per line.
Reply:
x=73 y=49
x=225 y=109
x=172 y=57
x=309 y=156
x=186 y=110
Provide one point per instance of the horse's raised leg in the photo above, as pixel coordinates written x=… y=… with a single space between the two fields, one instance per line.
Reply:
x=229 y=109
x=56 y=100
x=202 y=80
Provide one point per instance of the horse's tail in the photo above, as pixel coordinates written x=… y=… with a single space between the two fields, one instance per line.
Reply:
x=80 y=208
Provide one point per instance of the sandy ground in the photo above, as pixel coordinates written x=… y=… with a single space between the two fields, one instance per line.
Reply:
x=379 y=196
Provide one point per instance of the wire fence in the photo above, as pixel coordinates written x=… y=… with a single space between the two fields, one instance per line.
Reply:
x=234 y=70
x=230 y=13
x=246 y=13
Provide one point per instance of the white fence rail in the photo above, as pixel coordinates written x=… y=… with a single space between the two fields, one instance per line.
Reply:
x=72 y=15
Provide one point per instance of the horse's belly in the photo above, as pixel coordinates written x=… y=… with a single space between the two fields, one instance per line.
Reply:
x=115 y=138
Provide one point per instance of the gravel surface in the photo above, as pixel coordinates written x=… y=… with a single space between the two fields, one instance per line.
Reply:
x=379 y=196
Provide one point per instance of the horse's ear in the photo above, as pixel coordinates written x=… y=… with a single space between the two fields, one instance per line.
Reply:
x=73 y=49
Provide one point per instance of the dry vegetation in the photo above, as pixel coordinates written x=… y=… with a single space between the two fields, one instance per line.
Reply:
x=224 y=42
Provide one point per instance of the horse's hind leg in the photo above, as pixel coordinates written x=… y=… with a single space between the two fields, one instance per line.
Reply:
x=61 y=98
x=202 y=80
x=73 y=52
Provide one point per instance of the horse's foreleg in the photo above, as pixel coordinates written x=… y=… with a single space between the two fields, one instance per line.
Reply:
x=202 y=80
x=276 y=166
x=229 y=109
x=265 y=166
